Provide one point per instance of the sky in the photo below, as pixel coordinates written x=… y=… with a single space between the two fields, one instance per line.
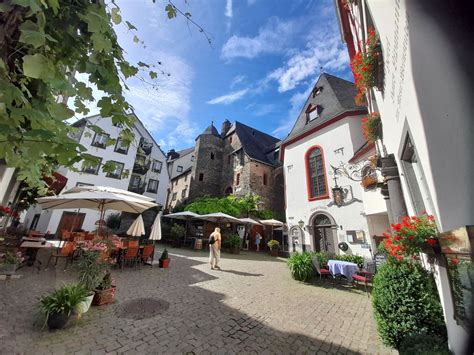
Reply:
x=263 y=60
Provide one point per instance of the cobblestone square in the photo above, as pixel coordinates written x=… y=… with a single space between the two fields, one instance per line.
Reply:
x=252 y=306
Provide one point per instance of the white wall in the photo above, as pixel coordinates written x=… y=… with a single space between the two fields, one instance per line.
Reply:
x=344 y=134
x=186 y=161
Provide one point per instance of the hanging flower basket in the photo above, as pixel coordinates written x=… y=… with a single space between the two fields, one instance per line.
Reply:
x=372 y=127
x=368 y=181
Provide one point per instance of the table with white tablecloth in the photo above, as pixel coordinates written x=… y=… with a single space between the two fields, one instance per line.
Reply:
x=339 y=267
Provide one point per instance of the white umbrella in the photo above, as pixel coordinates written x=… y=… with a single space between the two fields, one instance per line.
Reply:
x=137 y=229
x=156 y=228
x=219 y=217
x=98 y=198
x=248 y=222
x=186 y=216
x=272 y=223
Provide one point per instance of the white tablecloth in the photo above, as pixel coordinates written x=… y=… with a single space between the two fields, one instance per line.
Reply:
x=343 y=268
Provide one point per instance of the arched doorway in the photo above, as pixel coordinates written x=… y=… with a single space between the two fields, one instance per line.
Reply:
x=324 y=233
x=228 y=191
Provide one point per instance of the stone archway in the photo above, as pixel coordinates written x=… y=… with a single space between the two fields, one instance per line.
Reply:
x=323 y=230
x=228 y=191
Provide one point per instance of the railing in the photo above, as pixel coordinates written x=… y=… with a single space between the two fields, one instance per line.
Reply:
x=141 y=166
x=137 y=188
x=145 y=146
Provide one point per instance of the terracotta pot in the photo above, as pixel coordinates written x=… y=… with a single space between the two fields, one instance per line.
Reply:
x=57 y=320
x=102 y=297
x=164 y=263
x=368 y=181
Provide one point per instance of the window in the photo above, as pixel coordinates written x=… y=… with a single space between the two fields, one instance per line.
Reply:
x=237 y=179
x=355 y=237
x=100 y=140
x=121 y=147
x=83 y=184
x=317 y=90
x=316 y=174
x=186 y=177
x=179 y=169
x=265 y=179
x=212 y=156
x=117 y=173
x=230 y=139
x=174 y=196
x=152 y=186
x=201 y=176
x=35 y=220
x=228 y=158
x=157 y=165
x=192 y=157
x=135 y=181
x=183 y=193
x=312 y=112
x=92 y=168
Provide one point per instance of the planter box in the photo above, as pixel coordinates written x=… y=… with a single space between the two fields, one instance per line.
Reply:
x=102 y=297
x=8 y=269
x=234 y=250
x=274 y=252
x=164 y=263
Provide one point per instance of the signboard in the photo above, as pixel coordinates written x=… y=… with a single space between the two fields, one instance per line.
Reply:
x=380 y=259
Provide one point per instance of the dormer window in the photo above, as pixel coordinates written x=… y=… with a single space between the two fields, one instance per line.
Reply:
x=317 y=90
x=312 y=112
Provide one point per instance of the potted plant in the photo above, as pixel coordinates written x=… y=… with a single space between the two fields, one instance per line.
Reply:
x=164 y=260
x=91 y=273
x=9 y=263
x=178 y=232
x=274 y=246
x=372 y=127
x=105 y=291
x=58 y=306
x=234 y=242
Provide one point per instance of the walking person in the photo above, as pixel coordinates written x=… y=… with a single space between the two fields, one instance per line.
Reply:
x=258 y=239
x=215 y=248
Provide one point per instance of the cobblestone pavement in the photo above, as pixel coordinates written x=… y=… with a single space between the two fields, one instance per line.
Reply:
x=251 y=306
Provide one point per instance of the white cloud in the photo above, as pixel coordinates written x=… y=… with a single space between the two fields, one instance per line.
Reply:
x=263 y=109
x=325 y=51
x=229 y=98
x=228 y=9
x=273 y=37
x=237 y=80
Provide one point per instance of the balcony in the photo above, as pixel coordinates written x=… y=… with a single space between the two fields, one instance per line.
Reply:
x=141 y=165
x=145 y=146
x=137 y=188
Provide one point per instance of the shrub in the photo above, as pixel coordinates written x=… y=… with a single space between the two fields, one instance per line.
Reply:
x=423 y=344
x=63 y=300
x=273 y=244
x=164 y=255
x=113 y=221
x=301 y=267
x=178 y=231
x=234 y=241
x=405 y=302
x=356 y=259
x=323 y=258
x=91 y=270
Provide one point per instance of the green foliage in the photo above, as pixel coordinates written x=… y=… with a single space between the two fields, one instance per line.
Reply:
x=323 y=258
x=91 y=270
x=301 y=267
x=406 y=302
x=233 y=241
x=423 y=344
x=63 y=300
x=106 y=282
x=273 y=244
x=164 y=255
x=178 y=231
x=44 y=44
x=113 y=221
x=356 y=259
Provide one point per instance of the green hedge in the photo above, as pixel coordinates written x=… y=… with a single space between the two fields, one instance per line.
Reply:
x=323 y=258
x=406 y=302
x=423 y=344
x=301 y=267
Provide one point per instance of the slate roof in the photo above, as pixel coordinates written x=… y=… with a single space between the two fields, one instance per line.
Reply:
x=210 y=130
x=185 y=151
x=256 y=144
x=336 y=97
x=181 y=174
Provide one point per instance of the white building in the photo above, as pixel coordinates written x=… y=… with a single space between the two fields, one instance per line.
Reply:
x=140 y=168
x=424 y=97
x=328 y=134
x=180 y=161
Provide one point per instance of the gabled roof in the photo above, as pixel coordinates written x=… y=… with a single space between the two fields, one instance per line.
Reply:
x=210 y=130
x=256 y=144
x=336 y=96
x=184 y=152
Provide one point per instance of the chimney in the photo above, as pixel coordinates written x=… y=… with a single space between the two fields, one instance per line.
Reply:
x=225 y=127
x=172 y=155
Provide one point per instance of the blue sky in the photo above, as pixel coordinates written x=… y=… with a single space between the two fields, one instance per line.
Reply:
x=264 y=59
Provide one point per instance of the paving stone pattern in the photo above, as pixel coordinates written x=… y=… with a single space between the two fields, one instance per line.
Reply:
x=252 y=306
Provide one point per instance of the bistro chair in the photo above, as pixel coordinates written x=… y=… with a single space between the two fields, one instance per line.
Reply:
x=131 y=256
x=66 y=252
x=365 y=276
x=319 y=270
x=65 y=234
x=132 y=243
x=147 y=253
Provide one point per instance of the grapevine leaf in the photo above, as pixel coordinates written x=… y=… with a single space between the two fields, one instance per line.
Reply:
x=171 y=11
x=116 y=18
x=32 y=34
x=153 y=74
x=60 y=111
x=37 y=66
x=130 y=26
x=34 y=5
x=141 y=64
x=136 y=39
x=54 y=4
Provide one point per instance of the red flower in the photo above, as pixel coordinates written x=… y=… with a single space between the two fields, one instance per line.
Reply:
x=431 y=241
x=398 y=237
x=431 y=218
x=397 y=227
x=454 y=260
x=411 y=237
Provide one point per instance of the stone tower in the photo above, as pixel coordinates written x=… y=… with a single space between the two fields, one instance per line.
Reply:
x=206 y=173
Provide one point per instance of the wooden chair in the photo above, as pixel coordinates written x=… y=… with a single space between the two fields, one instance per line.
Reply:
x=147 y=253
x=132 y=243
x=131 y=256
x=365 y=276
x=65 y=234
x=317 y=267
x=65 y=252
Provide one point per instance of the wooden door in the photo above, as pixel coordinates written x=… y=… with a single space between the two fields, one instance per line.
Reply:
x=70 y=221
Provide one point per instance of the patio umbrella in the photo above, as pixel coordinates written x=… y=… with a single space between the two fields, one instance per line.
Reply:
x=272 y=223
x=185 y=216
x=219 y=218
x=98 y=198
x=248 y=222
x=137 y=229
x=156 y=228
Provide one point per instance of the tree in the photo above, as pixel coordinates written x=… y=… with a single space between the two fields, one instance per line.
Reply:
x=44 y=43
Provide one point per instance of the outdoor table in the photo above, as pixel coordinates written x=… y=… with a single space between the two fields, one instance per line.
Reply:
x=345 y=268
x=32 y=248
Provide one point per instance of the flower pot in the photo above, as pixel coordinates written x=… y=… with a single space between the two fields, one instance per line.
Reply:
x=368 y=181
x=57 y=320
x=8 y=269
x=102 y=297
x=164 y=263
x=274 y=252
x=84 y=306
x=234 y=250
